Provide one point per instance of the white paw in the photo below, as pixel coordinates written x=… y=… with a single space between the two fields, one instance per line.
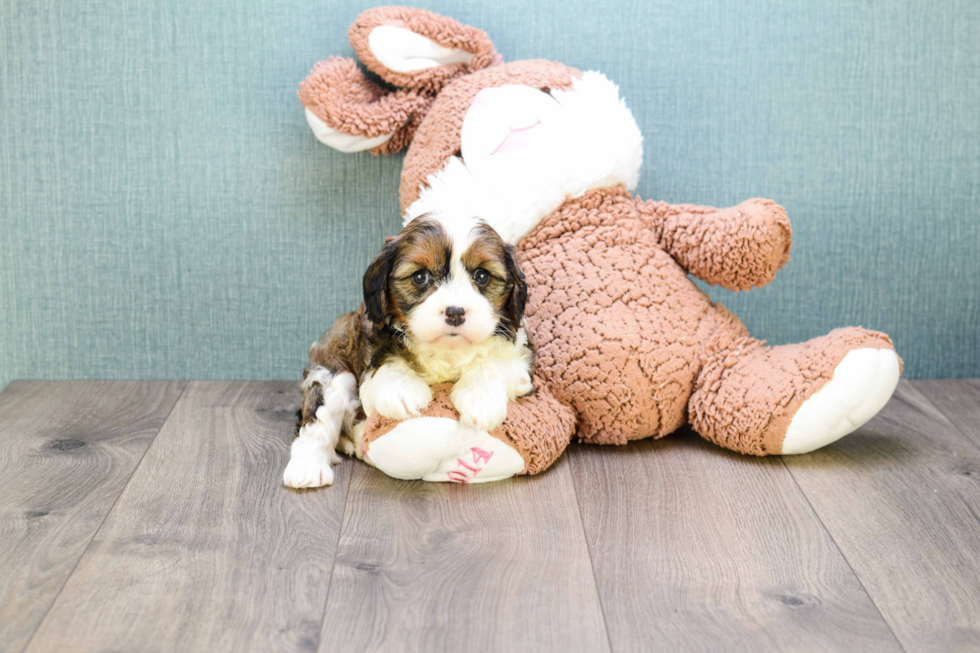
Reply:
x=862 y=384
x=402 y=397
x=480 y=408
x=309 y=464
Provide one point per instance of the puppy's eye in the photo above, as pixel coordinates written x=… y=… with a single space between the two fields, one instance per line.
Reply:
x=481 y=277
x=421 y=277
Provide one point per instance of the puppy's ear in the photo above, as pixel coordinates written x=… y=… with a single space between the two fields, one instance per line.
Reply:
x=376 y=282
x=518 y=294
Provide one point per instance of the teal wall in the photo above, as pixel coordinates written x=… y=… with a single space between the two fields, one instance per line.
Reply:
x=165 y=212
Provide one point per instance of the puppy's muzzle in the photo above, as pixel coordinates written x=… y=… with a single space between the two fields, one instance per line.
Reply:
x=455 y=316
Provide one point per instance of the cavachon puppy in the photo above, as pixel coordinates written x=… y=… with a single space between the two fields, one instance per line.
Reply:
x=443 y=302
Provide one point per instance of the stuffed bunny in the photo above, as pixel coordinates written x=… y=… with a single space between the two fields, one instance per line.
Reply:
x=627 y=346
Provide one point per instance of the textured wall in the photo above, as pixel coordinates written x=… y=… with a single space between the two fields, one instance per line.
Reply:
x=165 y=212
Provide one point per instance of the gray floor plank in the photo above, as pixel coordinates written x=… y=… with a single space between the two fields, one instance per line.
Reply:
x=901 y=499
x=434 y=567
x=205 y=550
x=959 y=401
x=699 y=549
x=67 y=449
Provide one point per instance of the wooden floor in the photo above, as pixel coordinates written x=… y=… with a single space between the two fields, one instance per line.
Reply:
x=150 y=516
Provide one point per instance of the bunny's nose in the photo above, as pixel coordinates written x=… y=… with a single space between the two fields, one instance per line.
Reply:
x=455 y=316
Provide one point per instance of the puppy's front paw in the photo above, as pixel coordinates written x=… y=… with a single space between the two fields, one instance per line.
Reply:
x=402 y=397
x=307 y=473
x=309 y=465
x=481 y=408
x=523 y=384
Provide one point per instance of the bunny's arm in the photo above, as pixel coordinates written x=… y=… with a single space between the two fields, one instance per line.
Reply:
x=737 y=248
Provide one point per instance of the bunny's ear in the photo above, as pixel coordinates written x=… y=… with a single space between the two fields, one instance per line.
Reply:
x=350 y=113
x=418 y=49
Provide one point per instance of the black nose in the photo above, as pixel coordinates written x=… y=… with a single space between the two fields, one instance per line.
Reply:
x=455 y=316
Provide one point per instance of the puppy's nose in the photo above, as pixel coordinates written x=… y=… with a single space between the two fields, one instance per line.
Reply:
x=455 y=316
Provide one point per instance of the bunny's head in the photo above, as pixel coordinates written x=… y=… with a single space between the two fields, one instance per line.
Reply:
x=504 y=142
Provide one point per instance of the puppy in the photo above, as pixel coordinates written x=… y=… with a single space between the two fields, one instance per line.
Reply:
x=443 y=302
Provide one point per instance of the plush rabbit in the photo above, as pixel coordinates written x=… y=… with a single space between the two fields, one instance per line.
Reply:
x=627 y=346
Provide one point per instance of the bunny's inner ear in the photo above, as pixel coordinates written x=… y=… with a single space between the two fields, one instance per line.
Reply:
x=419 y=49
x=403 y=51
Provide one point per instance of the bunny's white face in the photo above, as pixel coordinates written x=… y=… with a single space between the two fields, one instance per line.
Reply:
x=505 y=125
x=525 y=152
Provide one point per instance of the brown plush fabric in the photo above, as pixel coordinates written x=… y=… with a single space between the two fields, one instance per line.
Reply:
x=737 y=248
x=342 y=97
x=338 y=94
x=620 y=331
x=438 y=137
x=443 y=30
x=537 y=426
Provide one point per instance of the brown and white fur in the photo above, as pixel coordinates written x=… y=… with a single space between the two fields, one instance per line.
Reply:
x=443 y=302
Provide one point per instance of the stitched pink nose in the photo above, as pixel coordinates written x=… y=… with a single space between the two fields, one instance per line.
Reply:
x=515 y=140
x=455 y=316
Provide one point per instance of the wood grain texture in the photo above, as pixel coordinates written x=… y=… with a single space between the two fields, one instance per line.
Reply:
x=693 y=548
x=959 y=401
x=435 y=567
x=67 y=450
x=901 y=497
x=699 y=549
x=205 y=550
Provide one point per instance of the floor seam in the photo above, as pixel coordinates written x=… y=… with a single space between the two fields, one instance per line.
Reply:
x=95 y=533
x=842 y=554
x=336 y=551
x=588 y=548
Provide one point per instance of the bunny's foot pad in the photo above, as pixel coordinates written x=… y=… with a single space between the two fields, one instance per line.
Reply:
x=437 y=447
x=442 y=449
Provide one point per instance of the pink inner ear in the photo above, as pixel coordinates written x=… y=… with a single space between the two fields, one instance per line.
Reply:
x=517 y=139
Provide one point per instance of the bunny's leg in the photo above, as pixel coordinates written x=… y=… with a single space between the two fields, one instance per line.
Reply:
x=436 y=447
x=792 y=399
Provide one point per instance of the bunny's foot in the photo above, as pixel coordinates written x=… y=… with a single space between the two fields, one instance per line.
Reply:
x=793 y=399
